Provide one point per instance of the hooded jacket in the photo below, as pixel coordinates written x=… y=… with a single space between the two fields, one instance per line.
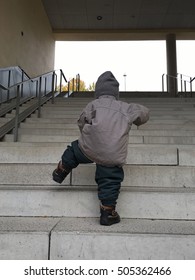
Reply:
x=105 y=123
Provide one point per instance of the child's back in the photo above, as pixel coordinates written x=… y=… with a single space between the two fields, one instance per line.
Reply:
x=104 y=124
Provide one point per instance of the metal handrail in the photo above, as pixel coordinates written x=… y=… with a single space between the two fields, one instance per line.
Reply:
x=179 y=77
x=190 y=80
x=4 y=129
x=75 y=84
x=15 y=69
x=34 y=79
x=183 y=75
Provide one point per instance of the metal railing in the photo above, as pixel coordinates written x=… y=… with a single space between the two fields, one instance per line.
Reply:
x=182 y=84
x=74 y=85
x=10 y=76
x=43 y=94
x=184 y=81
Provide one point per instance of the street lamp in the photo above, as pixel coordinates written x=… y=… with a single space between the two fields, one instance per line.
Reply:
x=125 y=80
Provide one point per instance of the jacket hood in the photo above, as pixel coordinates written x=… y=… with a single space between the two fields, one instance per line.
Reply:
x=107 y=85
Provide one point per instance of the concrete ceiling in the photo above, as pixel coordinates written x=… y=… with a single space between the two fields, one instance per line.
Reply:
x=121 y=19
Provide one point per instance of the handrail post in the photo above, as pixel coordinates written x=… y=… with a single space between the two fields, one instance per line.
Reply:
x=191 y=84
x=73 y=84
x=55 y=82
x=163 y=89
x=68 y=88
x=37 y=87
x=17 y=114
x=22 y=86
x=78 y=82
x=60 y=80
x=176 y=87
x=9 y=80
x=181 y=76
x=52 y=85
x=185 y=86
x=45 y=86
x=39 y=100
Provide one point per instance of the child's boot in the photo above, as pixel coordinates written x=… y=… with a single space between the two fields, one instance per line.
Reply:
x=60 y=173
x=108 y=215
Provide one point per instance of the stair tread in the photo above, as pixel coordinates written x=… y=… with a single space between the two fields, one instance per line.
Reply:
x=27 y=224
x=91 y=225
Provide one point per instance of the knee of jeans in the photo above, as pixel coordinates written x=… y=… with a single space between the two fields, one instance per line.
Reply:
x=109 y=175
x=81 y=158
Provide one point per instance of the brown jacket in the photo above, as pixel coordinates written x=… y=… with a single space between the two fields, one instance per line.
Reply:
x=105 y=124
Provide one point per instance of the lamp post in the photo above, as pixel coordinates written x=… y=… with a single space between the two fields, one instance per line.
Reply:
x=125 y=80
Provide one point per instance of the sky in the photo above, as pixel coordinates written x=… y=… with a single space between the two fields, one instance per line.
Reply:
x=137 y=65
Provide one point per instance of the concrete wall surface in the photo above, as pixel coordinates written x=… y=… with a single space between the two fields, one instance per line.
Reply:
x=26 y=36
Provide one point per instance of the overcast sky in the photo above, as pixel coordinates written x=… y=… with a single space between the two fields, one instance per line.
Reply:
x=143 y=62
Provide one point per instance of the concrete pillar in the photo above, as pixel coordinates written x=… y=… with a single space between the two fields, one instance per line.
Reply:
x=171 y=64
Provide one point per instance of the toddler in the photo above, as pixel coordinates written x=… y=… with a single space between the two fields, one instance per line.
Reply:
x=104 y=125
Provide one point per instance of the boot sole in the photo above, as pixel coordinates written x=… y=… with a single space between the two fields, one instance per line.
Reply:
x=109 y=223
x=57 y=179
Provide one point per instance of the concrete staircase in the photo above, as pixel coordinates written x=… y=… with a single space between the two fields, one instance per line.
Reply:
x=40 y=219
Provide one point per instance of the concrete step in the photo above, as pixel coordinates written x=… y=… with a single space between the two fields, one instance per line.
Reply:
x=134 y=132
x=153 y=155
x=49 y=131
x=159 y=101
x=160 y=117
x=166 y=114
x=153 y=105
x=43 y=125
x=73 y=120
x=153 y=109
x=133 y=239
x=135 y=175
x=82 y=201
x=153 y=117
x=3 y=120
x=13 y=152
x=56 y=116
x=51 y=238
x=171 y=140
x=62 y=112
x=133 y=99
x=149 y=103
x=64 y=144
x=42 y=138
x=142 y=176
x=149 y=126
x=25 y=238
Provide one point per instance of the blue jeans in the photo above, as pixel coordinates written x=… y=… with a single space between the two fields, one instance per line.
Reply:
x=108 y=179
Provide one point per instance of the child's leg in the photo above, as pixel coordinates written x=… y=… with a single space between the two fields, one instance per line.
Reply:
x=71 y=158
x=109 y=182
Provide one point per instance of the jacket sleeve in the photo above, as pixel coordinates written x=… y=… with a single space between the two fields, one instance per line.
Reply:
x=139 y=114
x=85 y=117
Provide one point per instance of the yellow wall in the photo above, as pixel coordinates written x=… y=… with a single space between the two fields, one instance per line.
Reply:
x=26 y=38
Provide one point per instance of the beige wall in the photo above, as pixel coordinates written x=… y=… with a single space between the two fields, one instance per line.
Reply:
x=26 y=38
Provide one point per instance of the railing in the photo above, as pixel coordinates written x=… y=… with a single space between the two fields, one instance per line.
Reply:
x=74 y=85
x=41 y=92
x=182 y=83
x=10 y=76
x=184 y=80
